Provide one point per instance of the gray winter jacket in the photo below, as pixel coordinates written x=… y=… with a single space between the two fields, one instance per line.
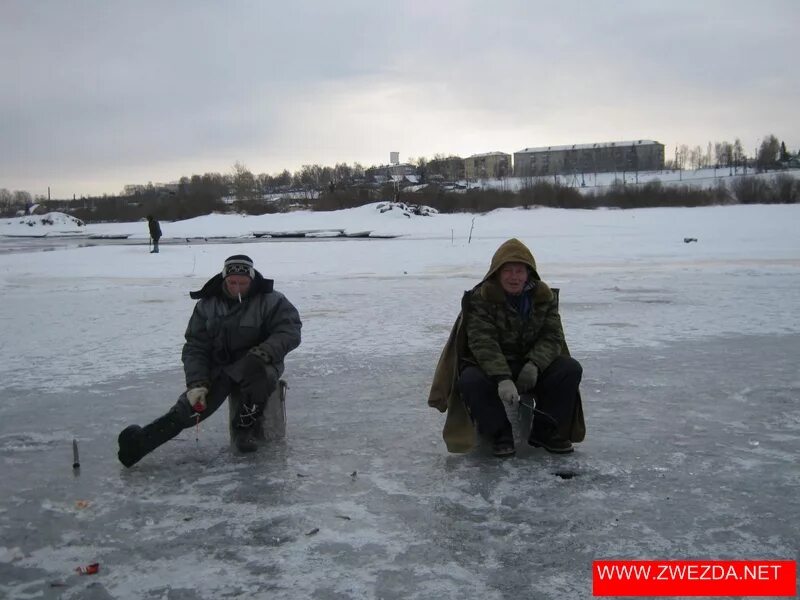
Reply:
x=223 y=330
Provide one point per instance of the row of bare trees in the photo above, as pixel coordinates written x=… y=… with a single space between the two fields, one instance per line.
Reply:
x=247 y=186
x=769 y=155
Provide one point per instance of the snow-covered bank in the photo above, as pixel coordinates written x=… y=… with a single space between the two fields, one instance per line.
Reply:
x=53 y=223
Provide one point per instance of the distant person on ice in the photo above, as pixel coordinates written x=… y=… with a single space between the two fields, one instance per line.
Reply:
x=155 y=232
x=508 y=340
x=239 y=333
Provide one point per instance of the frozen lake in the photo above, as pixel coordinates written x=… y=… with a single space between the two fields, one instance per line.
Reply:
x=691 y=392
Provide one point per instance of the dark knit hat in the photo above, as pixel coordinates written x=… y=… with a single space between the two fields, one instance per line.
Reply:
x=239 y=264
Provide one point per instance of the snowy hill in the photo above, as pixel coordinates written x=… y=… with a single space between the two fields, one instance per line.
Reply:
x=49 y=224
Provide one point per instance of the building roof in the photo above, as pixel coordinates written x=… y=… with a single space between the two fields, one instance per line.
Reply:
x=589 y=146
x=489 y=154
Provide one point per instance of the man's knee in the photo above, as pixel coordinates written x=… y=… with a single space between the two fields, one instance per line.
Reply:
x=564 y=367
x=472 y=377
x=259 y=386
x=573 y=367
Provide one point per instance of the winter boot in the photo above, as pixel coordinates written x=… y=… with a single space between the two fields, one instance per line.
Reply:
x=550 y=439
x=244 y=438
x=246 y=423
x=135 y=442
x=259 y=432
x=503 y=442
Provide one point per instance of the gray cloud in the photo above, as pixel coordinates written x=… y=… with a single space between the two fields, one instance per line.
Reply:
x=99 y=94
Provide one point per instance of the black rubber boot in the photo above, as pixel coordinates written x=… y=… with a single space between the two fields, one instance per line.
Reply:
x=135 y=442
x=503 y=443
x=245 y=439
x=550 y=439
x=258 y=429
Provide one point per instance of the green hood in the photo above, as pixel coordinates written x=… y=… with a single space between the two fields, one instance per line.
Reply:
x=512 y=251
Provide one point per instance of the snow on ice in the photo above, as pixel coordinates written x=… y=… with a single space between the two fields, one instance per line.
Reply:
x=691 y=393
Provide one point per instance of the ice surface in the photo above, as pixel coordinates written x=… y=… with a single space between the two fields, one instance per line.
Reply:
x=691 y=393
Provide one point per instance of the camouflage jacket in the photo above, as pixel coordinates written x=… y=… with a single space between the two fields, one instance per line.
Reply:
x=498 y=335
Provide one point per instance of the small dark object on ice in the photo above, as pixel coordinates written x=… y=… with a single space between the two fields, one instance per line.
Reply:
x=76 y=464
x=354 y=474
x=314 y=531
x=88 y=569
x=687 y=240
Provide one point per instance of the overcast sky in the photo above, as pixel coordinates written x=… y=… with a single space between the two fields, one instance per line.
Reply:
x=98 y=94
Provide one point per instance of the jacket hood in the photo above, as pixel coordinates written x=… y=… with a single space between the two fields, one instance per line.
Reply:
x=213 y=287
x=512 y=251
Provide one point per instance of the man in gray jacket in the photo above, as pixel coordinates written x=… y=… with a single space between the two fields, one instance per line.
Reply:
x=239 y=333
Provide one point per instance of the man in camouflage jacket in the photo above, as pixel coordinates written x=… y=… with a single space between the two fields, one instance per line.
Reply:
x=509 y=340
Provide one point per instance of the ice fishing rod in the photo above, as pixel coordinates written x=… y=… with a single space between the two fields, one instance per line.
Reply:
x=532 y=407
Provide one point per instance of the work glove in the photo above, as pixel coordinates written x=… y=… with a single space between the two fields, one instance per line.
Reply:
x=526 y=380
x=197 y=398
x=249 y=366
x=252 y=365
x=508 y=392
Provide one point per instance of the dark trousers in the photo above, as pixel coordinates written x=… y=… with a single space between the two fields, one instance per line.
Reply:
x=556 y=392
x=155 y=246
x=251 y=396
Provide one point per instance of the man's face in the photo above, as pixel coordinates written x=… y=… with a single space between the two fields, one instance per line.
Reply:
x=237 y=284
x=513 y=277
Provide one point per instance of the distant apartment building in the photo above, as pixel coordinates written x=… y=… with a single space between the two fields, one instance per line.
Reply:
x=488 y=165
x=637 y=155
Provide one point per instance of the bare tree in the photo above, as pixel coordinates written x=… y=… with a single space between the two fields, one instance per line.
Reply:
x=696 y=157
x=244 y=183
x=326 y=176
x=311 y=179
x=768 y=153
x=681 y=155
x=22 y=198
x=5 y=198
x=283 y=179
x=343 y=174
x=739 y=157
x=723 y=154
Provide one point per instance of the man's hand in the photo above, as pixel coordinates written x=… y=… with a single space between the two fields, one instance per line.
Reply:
x=508 y=392
x=252 y=365
x=526 y=380
x=197 y=398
